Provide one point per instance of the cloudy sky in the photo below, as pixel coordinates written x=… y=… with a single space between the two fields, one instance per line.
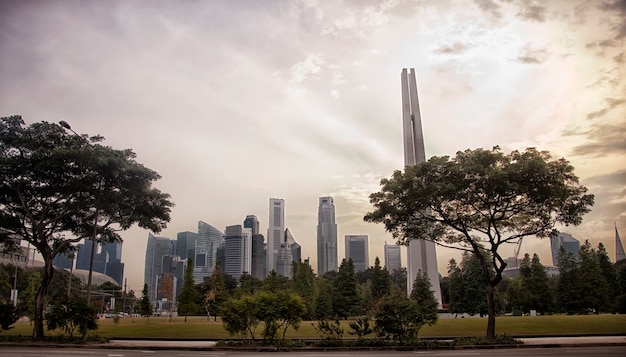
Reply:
x=234 y=102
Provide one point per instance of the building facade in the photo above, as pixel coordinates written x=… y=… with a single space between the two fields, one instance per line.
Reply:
x=357 y=249
x=258 y=256
x=393 y=257
x=156 y=249
x=421 y=254
x=275 y=233
x=186 y=244
x=569 y=243
x=326 y=236
x=205 y=256
x=237 y=251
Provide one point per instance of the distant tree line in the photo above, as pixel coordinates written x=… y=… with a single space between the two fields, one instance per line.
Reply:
x=588 y=282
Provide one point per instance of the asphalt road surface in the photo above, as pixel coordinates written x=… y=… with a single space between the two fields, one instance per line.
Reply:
x=513 y=352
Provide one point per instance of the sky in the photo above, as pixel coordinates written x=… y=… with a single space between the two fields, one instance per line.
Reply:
x=235 y=102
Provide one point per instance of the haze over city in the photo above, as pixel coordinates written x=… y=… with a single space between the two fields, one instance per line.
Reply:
x=236 y=102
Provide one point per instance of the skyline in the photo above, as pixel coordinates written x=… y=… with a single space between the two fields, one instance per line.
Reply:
x=236 y=102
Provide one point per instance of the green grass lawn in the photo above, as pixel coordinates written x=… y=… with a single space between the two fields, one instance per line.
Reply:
x=199 y=327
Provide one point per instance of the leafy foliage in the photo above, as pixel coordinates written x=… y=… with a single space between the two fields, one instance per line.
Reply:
x=71 y=315
x=360 y=327
x=424 y=296
x=303 y=283
x=329 y=329
x=480 y=200
x=188 y=294
x=345 y=298
x=240 y=316
x=531 y=291
x=55 y=182
x=398 y=319
x=8 y=316
x=145 y=306
x=276 y=312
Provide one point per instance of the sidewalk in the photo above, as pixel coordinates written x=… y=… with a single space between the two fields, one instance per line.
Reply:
x=575 y=341
x=535 y=342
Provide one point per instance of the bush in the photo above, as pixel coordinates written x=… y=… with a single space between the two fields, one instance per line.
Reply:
x=71 y=315
x=8 y=316
x=482 y=340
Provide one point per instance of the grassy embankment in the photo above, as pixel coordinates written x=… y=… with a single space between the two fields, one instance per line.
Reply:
x=198 y=327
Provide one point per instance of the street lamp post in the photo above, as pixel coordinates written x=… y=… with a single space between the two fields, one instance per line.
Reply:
x=94 y=236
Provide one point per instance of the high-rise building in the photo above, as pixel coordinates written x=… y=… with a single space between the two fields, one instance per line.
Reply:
x=209 y=240
x=294 y=247
x=275 y=232
x=237 y=251
x=326 y=236
x=83 y=256
x=100 y=262
x=62 y=261
x=111 y=254
x=156 y=249
x=258 y=256
x=393 y=257
x=251 y=222
x=115 y=269
x=173 y=265
x=569 y=243
x=421 y=255
x=186 y=244
x=114 y=249
x=357 y=249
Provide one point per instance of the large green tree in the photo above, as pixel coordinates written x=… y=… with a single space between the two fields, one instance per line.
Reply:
x=345 y=296
x=56 y=182
x=568 y=297
x=303 y=283
x=479 y=201
x=466 y=286
x=424 y=296
x=381 y=281
x=188 y=294
x=595 y=292
x=144 y=305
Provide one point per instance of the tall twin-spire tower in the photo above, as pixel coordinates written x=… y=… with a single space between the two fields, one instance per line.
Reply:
x=422 y=255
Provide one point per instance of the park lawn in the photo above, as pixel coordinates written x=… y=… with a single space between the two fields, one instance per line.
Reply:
x=199 y=328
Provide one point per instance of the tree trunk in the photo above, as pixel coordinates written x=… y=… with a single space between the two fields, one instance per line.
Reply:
x=40 y=298
x=491 y=314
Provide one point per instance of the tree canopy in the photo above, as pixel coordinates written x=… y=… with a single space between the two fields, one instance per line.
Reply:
x=479 y=201
x=55 y=183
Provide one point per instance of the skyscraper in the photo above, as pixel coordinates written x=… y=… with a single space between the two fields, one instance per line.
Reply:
x=114 y=249
x=326 y=236
x=156 y=249
x=258 y=256
x=62 y=261
x=357 y=249
x=209 y=240
x=237 y=250
x=83 y=256
x=186 y=244
x=275 y=232
x=251 y=222
x=393 y=257
x=294 y=248
x=569 y=243
x=112 y=255
x=422 y=255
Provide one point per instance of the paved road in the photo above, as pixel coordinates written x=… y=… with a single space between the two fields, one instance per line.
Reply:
x=601 y=351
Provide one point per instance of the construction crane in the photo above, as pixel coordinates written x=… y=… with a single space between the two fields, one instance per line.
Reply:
x=516 y=251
